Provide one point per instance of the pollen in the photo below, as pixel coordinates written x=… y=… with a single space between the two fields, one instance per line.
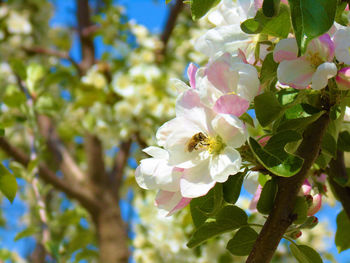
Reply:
x=314 y=58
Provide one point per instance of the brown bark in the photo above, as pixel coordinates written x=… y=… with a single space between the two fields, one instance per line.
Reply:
x=111 y=232
x=281 y=216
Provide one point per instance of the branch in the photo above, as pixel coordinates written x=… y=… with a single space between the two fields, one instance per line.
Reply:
x=119 y=165
x=87 y=44
x=169 y=26
x=94 y=158
x=337 y=169
x=66 y=163
x=281 y=216
x=93 y=145
x=54 y=53
x=48 y=176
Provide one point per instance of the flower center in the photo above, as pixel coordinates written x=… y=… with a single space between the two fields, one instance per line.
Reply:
x=200 y=141
x=314 y=59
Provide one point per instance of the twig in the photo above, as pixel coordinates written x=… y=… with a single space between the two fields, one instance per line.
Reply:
x=281 y=216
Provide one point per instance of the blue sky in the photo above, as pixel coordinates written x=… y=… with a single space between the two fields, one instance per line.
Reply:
x=152 y=14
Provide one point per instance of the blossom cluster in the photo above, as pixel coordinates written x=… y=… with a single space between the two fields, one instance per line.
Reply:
x=200 y=146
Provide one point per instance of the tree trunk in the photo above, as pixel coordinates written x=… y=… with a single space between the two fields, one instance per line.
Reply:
x=111 y=233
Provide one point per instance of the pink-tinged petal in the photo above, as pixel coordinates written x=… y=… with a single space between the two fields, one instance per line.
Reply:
x=342 y=44
x=258 y=4
x=323 y=73
x=231 y=104
x=171 y=201
x=316 y=205
x=230 y=129
x=343 y=78
x=264 y=140
x=323 y=46
x=255 y=199
x=186 y=101
x=242 y=56
x=286 y=49
x=220 y=75
x=321 y=178
x=191 y=73
x=306 y=188
x=296 y=73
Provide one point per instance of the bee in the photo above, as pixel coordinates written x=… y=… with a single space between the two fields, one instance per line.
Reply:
x=197 y=141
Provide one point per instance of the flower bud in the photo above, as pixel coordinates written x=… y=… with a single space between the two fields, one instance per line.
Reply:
x=295 y=234
x=310 y=222
x=343 y=78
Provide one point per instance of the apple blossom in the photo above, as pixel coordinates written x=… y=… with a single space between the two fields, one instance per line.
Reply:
x=203 y=143
x=227 y=36
x=314 y=67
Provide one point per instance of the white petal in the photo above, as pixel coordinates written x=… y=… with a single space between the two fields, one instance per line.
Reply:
x=157 y=174
x=231 y=129
x=225 y=164
x=171 y=201
x=286 y=49
x=156 y=152
x=248 y=83
x=250 y=183
x=196 y=181
x=324 y=72
x=179 y=85
x=296 y=73
x=222 y=39
x=342 y=44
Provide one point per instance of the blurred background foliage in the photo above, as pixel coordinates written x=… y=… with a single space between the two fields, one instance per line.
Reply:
x=78 y=102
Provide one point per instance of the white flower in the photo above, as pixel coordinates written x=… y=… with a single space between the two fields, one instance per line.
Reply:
x=227 y=36
x=203 y=143
x=18 y=23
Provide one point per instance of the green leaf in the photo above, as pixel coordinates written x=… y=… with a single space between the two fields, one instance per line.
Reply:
x=278 y=26
x=341 y=16
x=342 y=240
x=276 y=144
x=267 y=108
x=206 y=206
x=232 y=188
x=300 y=209
x=200 y=7
x=30 y=231
x=344 y=141
x=228 y=219
x=232 y=215
x=251 y=26
x=167 y=1
x=274 y=158
x=305 y=254
x=8 y=183
x=268 y=69
x=267 y=197
x=242 y=243
x=329 y=145
x=247 y=119
x=311 y=19
x=271 y=7
x=298 y=123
